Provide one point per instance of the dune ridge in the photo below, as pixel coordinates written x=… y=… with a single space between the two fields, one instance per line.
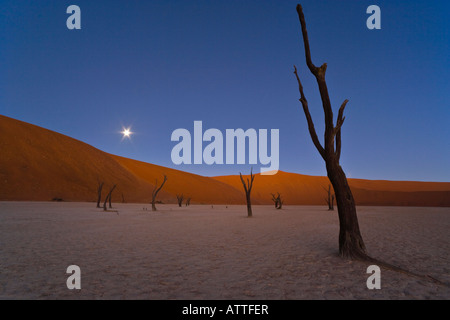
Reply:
x=38 y=164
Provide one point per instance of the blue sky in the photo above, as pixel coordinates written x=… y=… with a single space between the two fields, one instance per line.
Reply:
x=160 y=65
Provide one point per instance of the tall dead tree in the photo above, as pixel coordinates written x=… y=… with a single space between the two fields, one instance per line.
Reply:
x=248 y=189
x=180 y=199
x=330 y=198
x=188 y=201
x=277 y=200
x=351 y=244
x=156 y=190
x=108 y=198
x=99 y=193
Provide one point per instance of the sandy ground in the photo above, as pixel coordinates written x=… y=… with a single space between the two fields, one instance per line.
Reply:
x=201 y=252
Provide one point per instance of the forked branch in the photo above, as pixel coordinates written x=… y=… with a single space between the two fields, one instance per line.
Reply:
x=312 y=130
x=108 y=198
x=319 y=74
x=339 y=123
x=248 y=185
x=156 y=190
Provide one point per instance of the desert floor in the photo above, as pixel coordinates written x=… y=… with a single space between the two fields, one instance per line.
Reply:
x=204 y=252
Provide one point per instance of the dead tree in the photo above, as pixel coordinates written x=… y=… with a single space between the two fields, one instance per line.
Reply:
x=188 y=202
x=277 y=200
x=99 y=194
x=180 y=199
x=248 y=189
x=351 y=244
x=280 y=201
x=108 y=198
x=330 y=198
x=156 y=190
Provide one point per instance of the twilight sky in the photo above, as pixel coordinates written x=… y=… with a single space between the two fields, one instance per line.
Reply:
x=160 y=65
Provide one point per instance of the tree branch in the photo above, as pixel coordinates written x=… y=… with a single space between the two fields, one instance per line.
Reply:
x=156 y=190
x=312 y=130
x=252 y=177
x=243 y=182
x=249 y=185
x=340 y=118
x=314 y=70
x=156 y=187
x=339 y=122
x=108 y=197
x=319 y=73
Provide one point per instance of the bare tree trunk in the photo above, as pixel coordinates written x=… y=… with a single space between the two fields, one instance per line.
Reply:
x=249 y=206
x=330 y=199
x=188 y=202
x=99 y=194
x=332 y=202
x=351 y=244
x=180 y=198
x=248 y=189
x=277 y=200
x=108 y=198
x=280 y=201
x=155 y=192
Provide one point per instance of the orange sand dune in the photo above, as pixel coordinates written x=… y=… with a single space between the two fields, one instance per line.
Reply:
x=39 y=164
x=200 y=189
x=298 y=189
x=294 y=188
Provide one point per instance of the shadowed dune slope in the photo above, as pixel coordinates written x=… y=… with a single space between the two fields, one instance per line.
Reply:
x=39 y=164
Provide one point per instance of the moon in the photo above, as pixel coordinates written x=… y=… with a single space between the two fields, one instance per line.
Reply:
x=126 y=133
